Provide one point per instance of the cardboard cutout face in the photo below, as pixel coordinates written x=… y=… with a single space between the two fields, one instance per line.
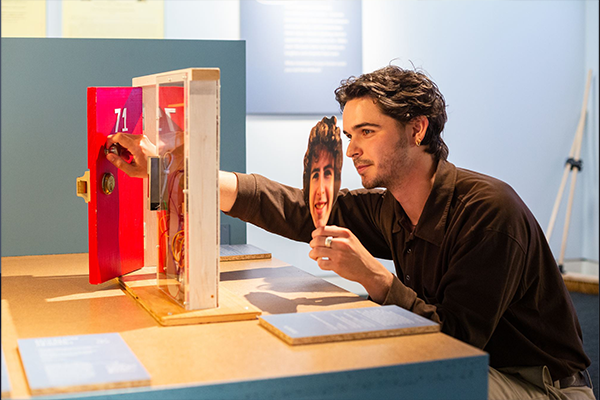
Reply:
x=322 y=192
x=323 y=169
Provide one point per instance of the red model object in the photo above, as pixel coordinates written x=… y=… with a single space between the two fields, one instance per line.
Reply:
x=115 y=208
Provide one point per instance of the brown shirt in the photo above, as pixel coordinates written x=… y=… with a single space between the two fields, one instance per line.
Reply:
x=477 y=262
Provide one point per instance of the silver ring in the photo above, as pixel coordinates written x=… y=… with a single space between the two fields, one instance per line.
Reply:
x=328 y=241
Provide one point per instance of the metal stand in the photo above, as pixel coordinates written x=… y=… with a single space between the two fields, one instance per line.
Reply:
x=572 y=165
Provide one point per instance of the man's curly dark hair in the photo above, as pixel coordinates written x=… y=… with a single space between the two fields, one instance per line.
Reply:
x=324 y=136
x=402 y=94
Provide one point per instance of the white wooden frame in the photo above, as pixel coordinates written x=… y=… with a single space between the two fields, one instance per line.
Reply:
x=201 y=153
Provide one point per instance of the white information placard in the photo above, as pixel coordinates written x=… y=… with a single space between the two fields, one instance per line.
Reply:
x=80 y=363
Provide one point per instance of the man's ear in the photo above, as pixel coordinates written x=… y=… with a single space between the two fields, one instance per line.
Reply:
x=419 y=128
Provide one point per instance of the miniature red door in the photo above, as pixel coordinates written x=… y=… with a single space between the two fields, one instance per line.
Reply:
x=115 y=208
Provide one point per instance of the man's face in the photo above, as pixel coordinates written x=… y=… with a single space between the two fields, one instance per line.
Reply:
x=378 y=144
x=322 y=188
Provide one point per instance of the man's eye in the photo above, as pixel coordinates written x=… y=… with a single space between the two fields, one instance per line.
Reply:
x=315 y=176
x=328 y=173
x=367 y=131
x=349 y=136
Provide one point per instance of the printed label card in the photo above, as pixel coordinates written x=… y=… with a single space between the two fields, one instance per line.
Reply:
x=80 y=363
x=338 y=325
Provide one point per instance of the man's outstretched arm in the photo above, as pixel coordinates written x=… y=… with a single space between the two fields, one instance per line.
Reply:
x=140 y=148
x=228 y=188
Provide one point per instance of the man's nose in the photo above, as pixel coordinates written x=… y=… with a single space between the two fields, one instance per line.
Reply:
x=352 y=150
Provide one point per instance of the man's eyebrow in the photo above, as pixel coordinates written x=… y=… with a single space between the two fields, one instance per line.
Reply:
x=362 y=125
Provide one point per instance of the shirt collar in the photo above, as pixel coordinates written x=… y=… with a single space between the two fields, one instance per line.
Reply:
x=432 y=223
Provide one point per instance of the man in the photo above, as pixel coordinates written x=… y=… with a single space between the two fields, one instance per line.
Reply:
x=468 y=253
x=322 y=169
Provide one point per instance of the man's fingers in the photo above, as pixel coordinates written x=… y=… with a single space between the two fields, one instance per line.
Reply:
x=335 y=231
x=112 y=139
x=122 y=165
x=322 y=257
x=133 y=150
x=320 y=252
x=322 y=241
x=126 y=140
x=330 y=230
x=317 y=232
x=325 y=264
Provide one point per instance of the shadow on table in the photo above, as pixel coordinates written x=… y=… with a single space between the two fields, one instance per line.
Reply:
x=274 y=304
x=69 y=305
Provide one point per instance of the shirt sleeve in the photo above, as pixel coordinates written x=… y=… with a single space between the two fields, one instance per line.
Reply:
x=405 y=297
x=277 y=208
x=282 y=210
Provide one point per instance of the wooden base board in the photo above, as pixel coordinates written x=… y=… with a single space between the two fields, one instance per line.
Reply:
x=311 y=328
x=581 y=283
x=246 y=257
x=241 y=252
x=168 y=313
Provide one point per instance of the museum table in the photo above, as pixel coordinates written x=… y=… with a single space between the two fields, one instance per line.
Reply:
x=50 y=296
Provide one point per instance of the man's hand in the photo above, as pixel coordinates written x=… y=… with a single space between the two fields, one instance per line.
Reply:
x=140 y=148
x=347 y=257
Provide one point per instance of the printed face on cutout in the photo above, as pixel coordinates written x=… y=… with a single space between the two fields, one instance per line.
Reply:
x=322 y=188
x=322 y=170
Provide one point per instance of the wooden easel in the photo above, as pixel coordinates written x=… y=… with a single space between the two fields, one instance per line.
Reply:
x=572 y=165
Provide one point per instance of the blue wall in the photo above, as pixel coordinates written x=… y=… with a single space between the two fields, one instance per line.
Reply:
x=44 y=131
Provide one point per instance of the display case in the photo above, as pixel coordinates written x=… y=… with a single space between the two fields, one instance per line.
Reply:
x=183 y=106
x=169 y=220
